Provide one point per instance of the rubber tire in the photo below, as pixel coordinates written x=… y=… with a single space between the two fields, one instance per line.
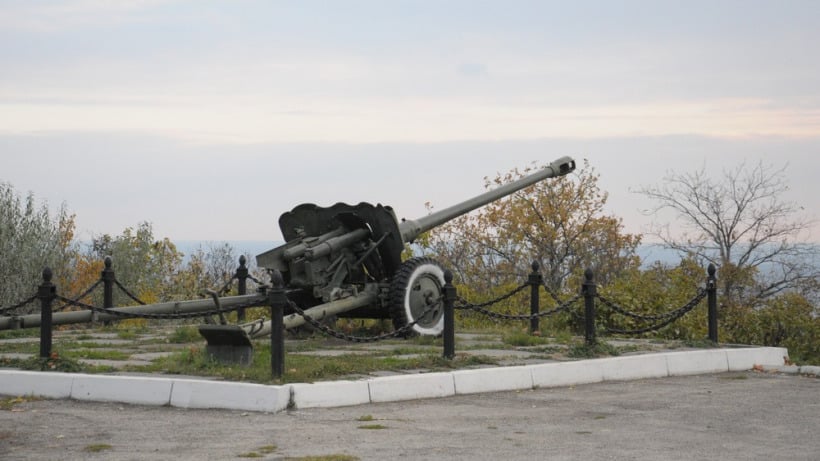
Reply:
x=421 y=273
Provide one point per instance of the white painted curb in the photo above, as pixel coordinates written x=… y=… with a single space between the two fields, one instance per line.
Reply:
x=411 y=387
x=566 y=373
x=633 y=367
x=43 y=384
x=191 y=393
x=493 y=380
x=136 y=390
x=697 y=362
x=747 y=358
x=331 y=394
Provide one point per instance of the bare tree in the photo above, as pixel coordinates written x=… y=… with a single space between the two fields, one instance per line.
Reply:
x=741 y=223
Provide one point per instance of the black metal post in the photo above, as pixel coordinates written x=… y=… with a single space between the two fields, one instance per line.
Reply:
x=278 y=299
x=242 y=277
x=46 y=292
x=108 y=278
x=589 y=290
x=449 y=316
x=711 y=298
x=535 y=281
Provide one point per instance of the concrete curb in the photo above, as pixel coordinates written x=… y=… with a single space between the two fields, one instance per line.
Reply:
x=190 y=393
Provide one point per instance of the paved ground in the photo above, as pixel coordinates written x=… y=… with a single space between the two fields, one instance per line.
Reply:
x=730 y=416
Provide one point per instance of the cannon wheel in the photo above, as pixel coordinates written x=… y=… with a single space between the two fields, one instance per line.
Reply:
x=417 y=285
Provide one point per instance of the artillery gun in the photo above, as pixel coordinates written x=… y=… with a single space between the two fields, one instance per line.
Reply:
x=345 y=260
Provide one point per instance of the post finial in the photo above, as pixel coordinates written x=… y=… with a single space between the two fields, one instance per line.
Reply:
x=276 y=279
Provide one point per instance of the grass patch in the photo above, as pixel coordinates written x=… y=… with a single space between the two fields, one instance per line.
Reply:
x=21 y=333
x=7 y=404
x=183 y=335
x=97 y=354
x=324 y=458
x=250 y=454
x=700 y=343
x=521 y=339
x=127 y=334
x=598 y=349
x=376 y=427
x=365 y=418
x=735 y=377
x=301 y=368
x=97 y=447
x=53 y=363
x=22 y=348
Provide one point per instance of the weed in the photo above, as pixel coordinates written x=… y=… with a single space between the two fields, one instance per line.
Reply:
x=251 y=454
x=97 y=447
x=365 y=418
x=267 y=449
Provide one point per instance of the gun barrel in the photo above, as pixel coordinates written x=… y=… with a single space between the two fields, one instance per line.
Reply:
x=411 y=229
x=178 y=307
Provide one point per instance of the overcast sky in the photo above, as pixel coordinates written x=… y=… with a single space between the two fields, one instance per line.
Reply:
x=209 y=119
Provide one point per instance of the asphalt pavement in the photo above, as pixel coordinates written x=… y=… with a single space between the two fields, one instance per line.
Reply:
x=727 y=416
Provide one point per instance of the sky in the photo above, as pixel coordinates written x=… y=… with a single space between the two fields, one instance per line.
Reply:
x=211 y=118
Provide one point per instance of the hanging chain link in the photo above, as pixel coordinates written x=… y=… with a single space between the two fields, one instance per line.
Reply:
x=18 y=305
x=83 y=295
x=466 y=305
x=128 y=293
x=670 y=317
x=496 y=315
